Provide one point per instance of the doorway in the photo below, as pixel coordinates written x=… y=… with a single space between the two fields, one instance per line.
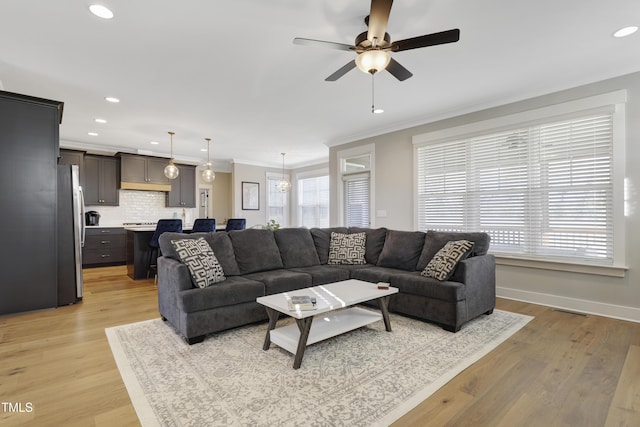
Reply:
x=203 y=206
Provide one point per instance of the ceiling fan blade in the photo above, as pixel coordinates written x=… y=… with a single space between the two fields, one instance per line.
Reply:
x=449 y=36
x=342 y=71
x=321 y=43
x=398 y=71
x=378 y=18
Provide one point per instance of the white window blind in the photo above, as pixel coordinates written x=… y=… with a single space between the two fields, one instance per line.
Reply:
x=313 y=201
x=542 y=191
x=356 y=197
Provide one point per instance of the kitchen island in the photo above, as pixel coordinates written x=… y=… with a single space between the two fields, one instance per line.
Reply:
x=138 y=250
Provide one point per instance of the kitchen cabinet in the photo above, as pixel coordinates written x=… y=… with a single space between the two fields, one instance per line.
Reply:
x=101 y=178
x=104 y=246
x=143 y=173
x=183 y=188
x=73 y=157
x=28 y=195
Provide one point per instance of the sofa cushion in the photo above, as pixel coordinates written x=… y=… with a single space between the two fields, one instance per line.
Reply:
x=376 y=274
x=415 y=284
x=444 y=262
x=255 y=250
x=435 y=240
x=401 y=249
x=276 y=281
x=219 y=242
x=296 y=247
x=234 y=290
x=347 y=248
x=375 y=242
x=322 y=240
x=199 y=258
x=321 y=274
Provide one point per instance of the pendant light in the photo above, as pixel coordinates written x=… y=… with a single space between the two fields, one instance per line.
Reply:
x=208 y=175
x=171 y=171
x=283 y=185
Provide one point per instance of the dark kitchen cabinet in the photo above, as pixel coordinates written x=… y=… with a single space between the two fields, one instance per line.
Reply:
x=73 y=157
x=101 y=179
x=148 y=171
x=183 y=188
x=29 y=200
x=104 y=246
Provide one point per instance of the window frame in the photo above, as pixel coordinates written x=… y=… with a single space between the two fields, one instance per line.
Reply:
x=342 y=157
x=318 y=173
x=613 y=102
x=273 y=176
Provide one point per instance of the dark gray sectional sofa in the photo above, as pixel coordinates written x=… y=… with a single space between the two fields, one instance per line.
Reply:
x=263 y=262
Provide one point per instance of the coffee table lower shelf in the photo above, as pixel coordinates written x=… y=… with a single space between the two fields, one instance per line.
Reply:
x=324 y=326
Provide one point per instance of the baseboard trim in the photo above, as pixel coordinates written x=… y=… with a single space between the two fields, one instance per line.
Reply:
x=621 y=312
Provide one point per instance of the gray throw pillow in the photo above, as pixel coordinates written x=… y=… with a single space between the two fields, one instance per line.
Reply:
x=446 y=259
x=203 y=265
x=347 y=248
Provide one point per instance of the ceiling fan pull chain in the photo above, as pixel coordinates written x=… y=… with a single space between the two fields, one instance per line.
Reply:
x=373 y=104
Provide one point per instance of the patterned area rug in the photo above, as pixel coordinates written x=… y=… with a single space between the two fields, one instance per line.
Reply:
x=362 y=378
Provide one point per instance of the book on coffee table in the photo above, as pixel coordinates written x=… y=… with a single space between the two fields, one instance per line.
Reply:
x=302 y=302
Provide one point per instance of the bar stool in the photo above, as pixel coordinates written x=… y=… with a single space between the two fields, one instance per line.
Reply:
x=236 y=224
x=163 y=226
x=203 y=225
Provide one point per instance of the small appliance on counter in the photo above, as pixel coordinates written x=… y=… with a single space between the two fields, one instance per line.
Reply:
x=92 y=218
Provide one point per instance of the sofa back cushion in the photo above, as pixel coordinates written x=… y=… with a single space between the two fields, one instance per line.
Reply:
x=218 y=241
x=322 y=240
x=375 y=242
x=296 y=247
x=256 y=250
x=401 y=249
x=435 y=240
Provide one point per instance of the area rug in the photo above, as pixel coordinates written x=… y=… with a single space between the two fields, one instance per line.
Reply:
x=362 y=378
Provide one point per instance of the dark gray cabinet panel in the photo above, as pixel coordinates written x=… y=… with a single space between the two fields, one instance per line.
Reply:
x=102 y=176
x=28 y=196
x=144 y=170
x=104 y=246
x=183 y=188
x=73 y=157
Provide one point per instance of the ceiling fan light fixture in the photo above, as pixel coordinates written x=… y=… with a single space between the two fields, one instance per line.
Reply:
x=372 y=61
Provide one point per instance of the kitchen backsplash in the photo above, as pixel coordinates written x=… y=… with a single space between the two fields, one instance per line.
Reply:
x=140 y=206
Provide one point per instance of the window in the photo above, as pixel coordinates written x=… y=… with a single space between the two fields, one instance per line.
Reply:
x=356 y=200
x=277 y=201
x=313 y=201
x=542 y=190
x=355 y=191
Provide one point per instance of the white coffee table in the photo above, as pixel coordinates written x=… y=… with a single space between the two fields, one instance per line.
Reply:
x=335 y=314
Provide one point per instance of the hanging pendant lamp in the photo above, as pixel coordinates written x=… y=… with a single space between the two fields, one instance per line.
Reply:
x=171 y=171
x=208 y=175
x=283 y=185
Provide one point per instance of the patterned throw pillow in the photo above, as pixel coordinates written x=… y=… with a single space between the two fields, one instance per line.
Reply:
x=445 y=260
x=347 y=248
x=203 y=265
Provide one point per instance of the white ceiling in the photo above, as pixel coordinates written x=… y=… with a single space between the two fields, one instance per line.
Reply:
x=229 y=70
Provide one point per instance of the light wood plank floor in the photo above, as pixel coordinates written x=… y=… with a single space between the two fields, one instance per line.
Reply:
x=562 y=369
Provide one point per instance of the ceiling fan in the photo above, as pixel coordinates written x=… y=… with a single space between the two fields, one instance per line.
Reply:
x=373 y=46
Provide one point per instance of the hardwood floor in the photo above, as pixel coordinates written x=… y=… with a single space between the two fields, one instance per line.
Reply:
x=562 y=369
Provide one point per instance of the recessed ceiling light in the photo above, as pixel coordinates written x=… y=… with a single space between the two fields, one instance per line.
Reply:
x=101 y=11
x=154 y=142
x=100 y=121
x=112 y=99
x=378 y=111
x=203 y=149
x=626 y=31
x=92 y=133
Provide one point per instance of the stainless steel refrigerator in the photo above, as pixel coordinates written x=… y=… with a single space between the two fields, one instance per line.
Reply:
x=71 y=231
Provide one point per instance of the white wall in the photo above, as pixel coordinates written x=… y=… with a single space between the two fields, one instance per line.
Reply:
x=611 y=296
